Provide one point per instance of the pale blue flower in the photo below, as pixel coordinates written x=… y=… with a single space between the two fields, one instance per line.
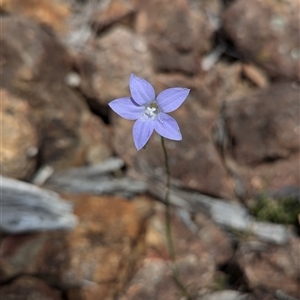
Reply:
x=149 y=112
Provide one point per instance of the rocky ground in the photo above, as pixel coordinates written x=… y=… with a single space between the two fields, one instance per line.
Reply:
x=235 y=175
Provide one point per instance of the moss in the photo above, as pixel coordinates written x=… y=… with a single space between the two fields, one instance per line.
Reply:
x=283 y=210
x=220 y=281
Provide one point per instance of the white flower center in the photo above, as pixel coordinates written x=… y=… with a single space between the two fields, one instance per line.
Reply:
x=151 y=110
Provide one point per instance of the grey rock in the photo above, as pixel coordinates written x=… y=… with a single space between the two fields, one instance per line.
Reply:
x=225 y=295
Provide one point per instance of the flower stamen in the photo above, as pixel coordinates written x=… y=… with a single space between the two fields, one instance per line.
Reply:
x=151 y=110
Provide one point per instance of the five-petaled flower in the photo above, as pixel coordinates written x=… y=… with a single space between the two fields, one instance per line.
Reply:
x=149 y=112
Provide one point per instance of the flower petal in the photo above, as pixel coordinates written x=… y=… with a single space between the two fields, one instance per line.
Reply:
x=170 y=99
x=126 y=108
x=167 y=127
x=141 y=90
x=142 y=130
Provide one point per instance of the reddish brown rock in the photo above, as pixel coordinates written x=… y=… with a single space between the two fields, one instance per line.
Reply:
x=264 y=126
x=210 y=89
x=88 y=291
x=38 y=77
x=28 y=288
x=53 y=14
x=262 y=147
x=97 y=257
x=195 y=263
x=255 y=75
x=267 y=33
x=114 y=56
x=28 y=254
x=271 y=267
x=117 y=10
x=94 y=138
x=215 y=239
x=154 y=278
x=176 y=33
x=106 y=248
x=272 y=176
x=262 y=294
x=19 y=141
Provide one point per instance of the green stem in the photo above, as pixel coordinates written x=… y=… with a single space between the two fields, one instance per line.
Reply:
x=171 y=247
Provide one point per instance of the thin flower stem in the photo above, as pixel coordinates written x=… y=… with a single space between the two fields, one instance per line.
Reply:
x=171 y=247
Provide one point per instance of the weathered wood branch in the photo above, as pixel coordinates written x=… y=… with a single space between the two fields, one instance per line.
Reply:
x=25 y=207
x=97 y=180
x=230 y=215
